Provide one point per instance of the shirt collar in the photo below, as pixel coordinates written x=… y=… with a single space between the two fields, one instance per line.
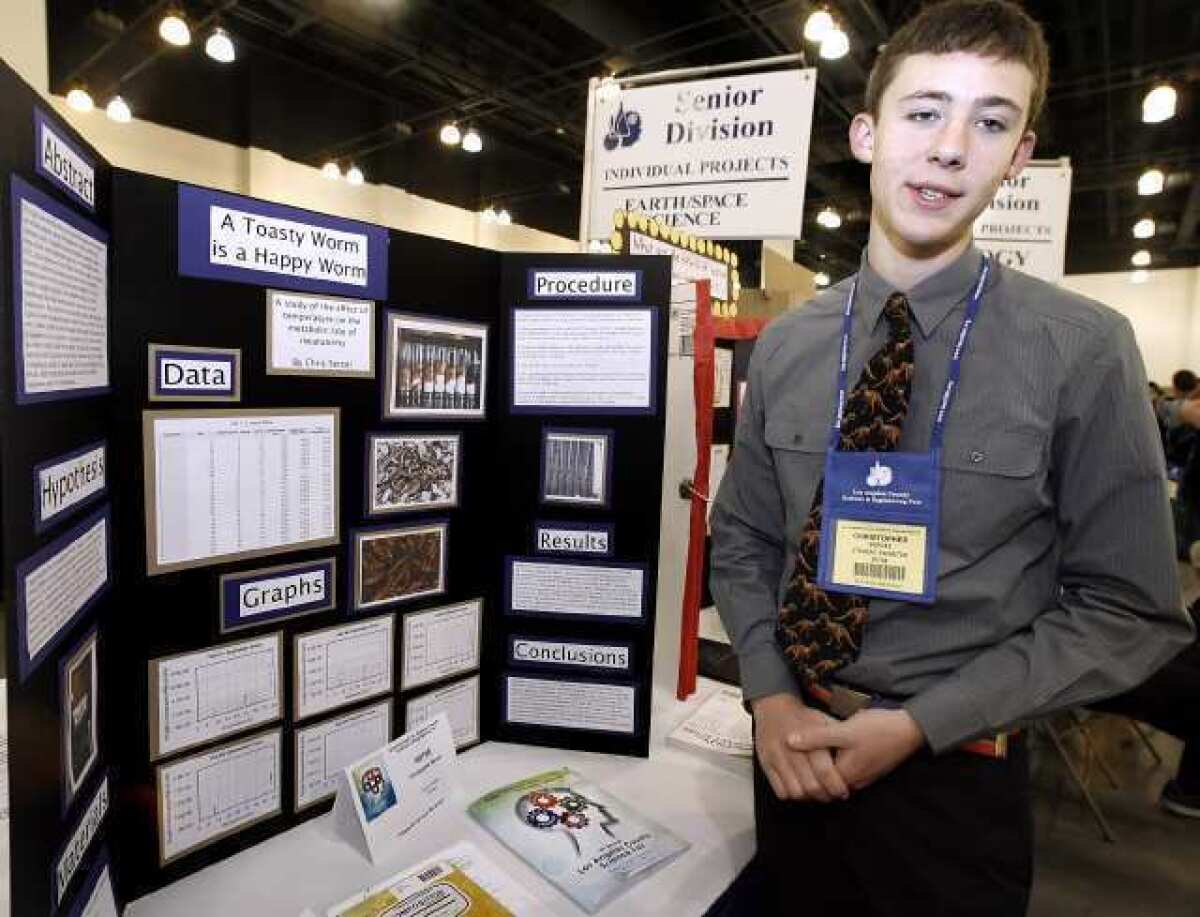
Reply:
x=931 y=300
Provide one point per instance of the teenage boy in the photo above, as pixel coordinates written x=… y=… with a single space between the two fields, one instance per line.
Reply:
x=1001 y=550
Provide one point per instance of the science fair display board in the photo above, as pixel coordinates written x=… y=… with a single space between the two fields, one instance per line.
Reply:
x=58 y=533
x=281 y=486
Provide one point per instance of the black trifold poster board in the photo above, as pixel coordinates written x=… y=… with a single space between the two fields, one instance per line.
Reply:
x=550 y=500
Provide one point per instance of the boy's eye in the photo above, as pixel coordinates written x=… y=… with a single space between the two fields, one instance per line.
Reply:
x=922 y=114
x=993 y=125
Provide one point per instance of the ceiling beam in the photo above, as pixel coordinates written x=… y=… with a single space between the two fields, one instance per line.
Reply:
x=1109 y=140
x=81 y=69
x=877 y=28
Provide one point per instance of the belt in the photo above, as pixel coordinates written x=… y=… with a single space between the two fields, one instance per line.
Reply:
x=844 y=702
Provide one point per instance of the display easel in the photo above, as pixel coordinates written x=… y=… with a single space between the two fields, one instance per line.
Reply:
x=709 y=329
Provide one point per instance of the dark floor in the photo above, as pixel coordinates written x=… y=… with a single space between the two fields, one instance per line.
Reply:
x=1154 y=866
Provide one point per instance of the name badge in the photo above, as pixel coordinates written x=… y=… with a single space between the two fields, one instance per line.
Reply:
x=879 y=524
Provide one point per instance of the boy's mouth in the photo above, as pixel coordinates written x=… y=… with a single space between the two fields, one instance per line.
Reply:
x=933 y=196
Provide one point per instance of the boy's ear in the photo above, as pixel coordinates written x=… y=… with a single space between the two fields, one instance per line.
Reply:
x=1021 y=155
x=862 y=137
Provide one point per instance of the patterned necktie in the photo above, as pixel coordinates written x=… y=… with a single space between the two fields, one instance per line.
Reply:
x=822 y=631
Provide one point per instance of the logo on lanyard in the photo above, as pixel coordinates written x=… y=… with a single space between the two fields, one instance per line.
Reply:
x=880 y=475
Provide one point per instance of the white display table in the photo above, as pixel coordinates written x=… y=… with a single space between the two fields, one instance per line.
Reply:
x=708 y=804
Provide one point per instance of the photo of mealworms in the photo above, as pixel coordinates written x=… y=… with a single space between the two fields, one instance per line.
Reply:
x=435 y=367
x=401 y=563
x=574 y=467
x=412 y=472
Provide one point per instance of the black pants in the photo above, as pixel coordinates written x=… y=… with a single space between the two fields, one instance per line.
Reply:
x=1168 y=701
x=948 y=835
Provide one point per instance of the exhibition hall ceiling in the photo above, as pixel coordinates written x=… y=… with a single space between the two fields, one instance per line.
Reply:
x=372 y=82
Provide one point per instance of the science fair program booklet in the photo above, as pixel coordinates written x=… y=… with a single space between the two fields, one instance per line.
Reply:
x=437 y=890
x=590 y=845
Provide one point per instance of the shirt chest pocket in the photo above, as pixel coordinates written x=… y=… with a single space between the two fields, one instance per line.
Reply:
x=798 y=451
x=994 y=484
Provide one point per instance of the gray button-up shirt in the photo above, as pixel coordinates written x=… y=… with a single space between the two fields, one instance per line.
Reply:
x=1056 y=574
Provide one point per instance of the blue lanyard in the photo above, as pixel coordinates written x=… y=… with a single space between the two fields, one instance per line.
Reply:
x=939 y=421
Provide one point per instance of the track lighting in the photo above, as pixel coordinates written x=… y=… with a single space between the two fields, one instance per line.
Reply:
x=173 y=29
x=118 y=110
x=471 y=141
x=220 y=47
x=80 y=99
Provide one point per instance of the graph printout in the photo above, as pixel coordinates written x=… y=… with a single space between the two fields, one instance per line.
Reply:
x=325 y=749
x=459 y=700
x=336 y=666
x=215 y=692
x=440 y=642
x=204 y=797
x=223 y=485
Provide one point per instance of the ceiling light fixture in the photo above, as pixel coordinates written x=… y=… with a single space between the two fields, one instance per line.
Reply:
x=829 y=218
x=471 y=141
x=1141 y=258
x=818 y=25
x=80 y=99
x=1159 y=104
x=220 y=47
x=1151 y=182
x=173 y=29
x=820 y=280
x=118 y=110
x=504 y=218
x=1139 y=276
x=331 y=170
x=354 y=175
x=450 y=134
x=1143 y=228
x=835 y=44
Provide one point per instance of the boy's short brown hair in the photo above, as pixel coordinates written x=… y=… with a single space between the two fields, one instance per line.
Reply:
x=991 y=28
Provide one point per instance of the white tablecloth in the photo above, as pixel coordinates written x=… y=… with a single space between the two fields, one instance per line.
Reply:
x=708 y=804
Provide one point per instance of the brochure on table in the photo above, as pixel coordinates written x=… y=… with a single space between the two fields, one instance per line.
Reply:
x=591 y=845
x=310 y=460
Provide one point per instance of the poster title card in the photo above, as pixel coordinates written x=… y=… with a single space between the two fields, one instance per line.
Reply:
x=230 y=237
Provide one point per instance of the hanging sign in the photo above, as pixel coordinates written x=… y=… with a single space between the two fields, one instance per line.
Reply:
x=1025 y=226
x=692 y=258
x=719 y=158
